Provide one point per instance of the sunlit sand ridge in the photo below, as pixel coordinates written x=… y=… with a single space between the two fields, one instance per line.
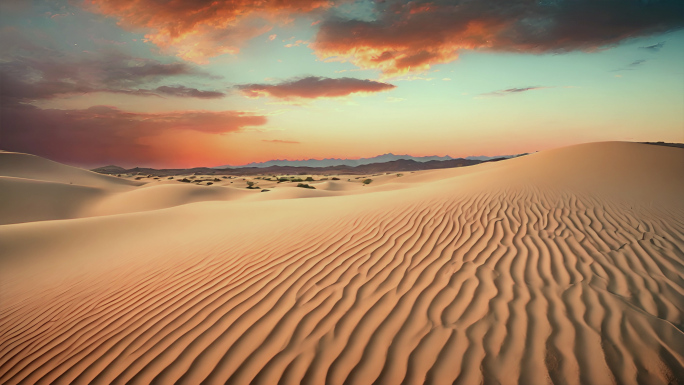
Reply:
x=565 y=266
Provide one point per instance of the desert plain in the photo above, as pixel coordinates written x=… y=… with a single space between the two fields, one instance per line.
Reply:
x=565 y=266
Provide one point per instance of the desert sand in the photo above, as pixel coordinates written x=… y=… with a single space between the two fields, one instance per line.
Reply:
x=565 y=266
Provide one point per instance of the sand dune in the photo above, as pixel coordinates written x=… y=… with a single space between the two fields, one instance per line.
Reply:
x=27 y=166
x=26 y=200
x=565 y=267
x=37 y=189
x=162 y=196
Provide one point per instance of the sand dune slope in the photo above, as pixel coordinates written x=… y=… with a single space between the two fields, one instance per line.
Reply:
x=37 y=189
x=161 y=196
x=26 y=200
x=562 y=267
x=18 y=165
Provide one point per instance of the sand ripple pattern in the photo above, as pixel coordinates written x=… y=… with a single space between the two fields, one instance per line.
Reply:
x=513 y=287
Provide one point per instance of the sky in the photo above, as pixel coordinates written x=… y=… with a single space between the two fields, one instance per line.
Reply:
x=186 y=83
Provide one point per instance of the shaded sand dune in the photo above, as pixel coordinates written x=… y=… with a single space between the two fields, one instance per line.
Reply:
x=563 y=267
x=18 y=165
x=36 y=189
x=161 y=196
x=27 y=200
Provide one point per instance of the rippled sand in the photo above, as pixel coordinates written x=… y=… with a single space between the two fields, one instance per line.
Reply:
x=566 y=266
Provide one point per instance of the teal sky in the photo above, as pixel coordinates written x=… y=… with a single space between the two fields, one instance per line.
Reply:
x=483 y=99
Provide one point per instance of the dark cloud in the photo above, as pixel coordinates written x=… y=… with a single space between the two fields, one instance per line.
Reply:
x=280 y=141
x=654 y=47
x=314 y=87
x=413 y=35
x=121 y=70
x=631 y=66
x=511 y=91
x=27 y=79
x=104 y=134
x=186 y=92
x=30 y=72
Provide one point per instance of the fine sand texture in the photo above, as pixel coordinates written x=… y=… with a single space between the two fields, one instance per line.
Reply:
x=565 y=267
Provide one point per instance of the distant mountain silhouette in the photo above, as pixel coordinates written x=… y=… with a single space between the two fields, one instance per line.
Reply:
x=371 y=168
x=328 y=162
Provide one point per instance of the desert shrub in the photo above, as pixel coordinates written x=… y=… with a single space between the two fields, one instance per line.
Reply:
x=283 y=179
x=335 y=178
x=264 y=190
x=170 y=177
x=304 y=185
x=217 y=180
x=138 y=178
x=185 y=180
x=367 y=181
x=210 y=183
x=297 y=180
x=398 y=175
x=224 y=177
x=309 y=179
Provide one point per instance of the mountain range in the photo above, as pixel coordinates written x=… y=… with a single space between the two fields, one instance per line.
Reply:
x=330 y=162
x=371 y=168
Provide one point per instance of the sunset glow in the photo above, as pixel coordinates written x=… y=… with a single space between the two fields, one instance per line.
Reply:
x=206 y=83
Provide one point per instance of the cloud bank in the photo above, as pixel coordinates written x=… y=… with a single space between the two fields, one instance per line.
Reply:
x=313 y=87
x=104 y=134
x=414 y=35
x=200 y=29
x=97 y=135
x=400 y=36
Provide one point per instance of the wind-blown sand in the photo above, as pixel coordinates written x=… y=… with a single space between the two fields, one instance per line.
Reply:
x=565 y=266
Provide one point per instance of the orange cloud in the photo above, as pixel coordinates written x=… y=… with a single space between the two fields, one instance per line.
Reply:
x=412 y=36
x=313 y=87
x=397 y=50
x=199 y=29
x=280 y=141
